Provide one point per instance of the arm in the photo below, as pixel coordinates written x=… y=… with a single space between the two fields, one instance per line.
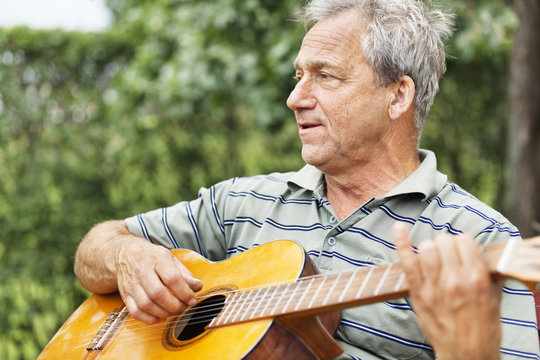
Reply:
x=152 y=282
x=453 y=295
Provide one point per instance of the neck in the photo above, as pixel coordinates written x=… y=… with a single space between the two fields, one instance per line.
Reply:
x=381 y=171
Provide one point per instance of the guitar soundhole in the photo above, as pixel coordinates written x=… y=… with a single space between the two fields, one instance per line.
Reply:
x=193 y=322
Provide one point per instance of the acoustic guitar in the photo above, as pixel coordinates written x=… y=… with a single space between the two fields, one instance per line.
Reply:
x=266 y=303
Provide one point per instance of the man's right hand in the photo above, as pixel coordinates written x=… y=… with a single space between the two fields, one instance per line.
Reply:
x=152 y=282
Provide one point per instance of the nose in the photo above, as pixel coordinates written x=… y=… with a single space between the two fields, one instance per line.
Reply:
x=301 y=97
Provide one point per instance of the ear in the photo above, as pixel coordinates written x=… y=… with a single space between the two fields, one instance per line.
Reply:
x=402 y=97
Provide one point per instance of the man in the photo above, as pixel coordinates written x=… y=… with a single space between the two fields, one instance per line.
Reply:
x=367 y=73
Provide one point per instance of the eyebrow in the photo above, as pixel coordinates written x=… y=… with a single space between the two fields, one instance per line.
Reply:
x=316 y=64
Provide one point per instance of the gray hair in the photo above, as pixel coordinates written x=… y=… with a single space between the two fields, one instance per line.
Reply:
x=404 y=37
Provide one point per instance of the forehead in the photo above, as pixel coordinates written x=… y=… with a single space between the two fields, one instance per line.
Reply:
x=334 y=41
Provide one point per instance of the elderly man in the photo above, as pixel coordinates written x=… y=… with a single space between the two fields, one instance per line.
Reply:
x=367 y=73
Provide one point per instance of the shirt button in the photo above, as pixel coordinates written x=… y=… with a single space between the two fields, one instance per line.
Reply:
x=332 y=219
x=332 y=241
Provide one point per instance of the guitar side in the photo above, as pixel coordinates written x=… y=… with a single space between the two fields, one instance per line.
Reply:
x=271 y=263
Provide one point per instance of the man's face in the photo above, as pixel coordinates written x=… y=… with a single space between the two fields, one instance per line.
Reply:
x=341 y=114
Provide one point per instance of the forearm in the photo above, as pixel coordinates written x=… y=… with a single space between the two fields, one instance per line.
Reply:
x=95 y=259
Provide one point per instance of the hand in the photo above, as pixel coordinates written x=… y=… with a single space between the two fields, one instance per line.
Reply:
x=153 y=283
x=453 y=295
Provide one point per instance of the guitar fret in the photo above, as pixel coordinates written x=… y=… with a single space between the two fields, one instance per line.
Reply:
x=269 y=300
x=399 y=282
x=258 y=303
x=317 y=292
x=241 y=303
x=383 y=279
x=296 y=286
x=279 y=300
x=331 y=289
x=304 y=294
x=225 y=314
x=364 y=283
x=348 y=285
x=250 y=302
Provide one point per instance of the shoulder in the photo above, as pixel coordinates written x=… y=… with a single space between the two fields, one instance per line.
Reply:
x=470 y=215
x=266 y=186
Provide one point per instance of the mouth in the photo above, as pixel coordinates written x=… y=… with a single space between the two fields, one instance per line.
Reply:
x=307 y=126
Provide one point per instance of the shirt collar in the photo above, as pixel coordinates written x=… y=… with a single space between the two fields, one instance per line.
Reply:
x=425 y=180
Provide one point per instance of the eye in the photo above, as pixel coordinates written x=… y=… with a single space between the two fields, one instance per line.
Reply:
x=297 y=76
x=326 y=76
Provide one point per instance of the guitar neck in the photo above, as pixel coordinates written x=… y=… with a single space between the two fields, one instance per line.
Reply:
x=314 y=295
x=336 y=291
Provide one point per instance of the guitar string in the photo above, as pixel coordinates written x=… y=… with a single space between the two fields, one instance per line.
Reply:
x=237 y=302
x=276 y=285
x=147 y=329
x=155 y=330
x=165 y=325
x=159 y=328
x=136 y=325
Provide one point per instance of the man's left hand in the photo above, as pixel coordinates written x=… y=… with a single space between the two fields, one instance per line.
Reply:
x=453 y=295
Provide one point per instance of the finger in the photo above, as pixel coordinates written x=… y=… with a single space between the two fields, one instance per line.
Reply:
x=193 y=283
x=161 y=295
x=475 y=265
x=407 y=256
x=140 y=306
x=469 y=252
x=136 y=313
x=177 y=279
x=430 y=262
x=448 y=249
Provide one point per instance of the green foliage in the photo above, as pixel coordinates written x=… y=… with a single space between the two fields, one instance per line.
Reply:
x=180 y=94
x=467 y=125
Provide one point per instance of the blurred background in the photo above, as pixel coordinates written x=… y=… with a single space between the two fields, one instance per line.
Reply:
x=109 y=109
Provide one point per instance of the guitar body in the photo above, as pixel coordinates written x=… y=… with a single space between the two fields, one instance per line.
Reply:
x=267 y=264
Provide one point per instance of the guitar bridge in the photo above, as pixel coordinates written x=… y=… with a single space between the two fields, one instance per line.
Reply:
x=108 y=329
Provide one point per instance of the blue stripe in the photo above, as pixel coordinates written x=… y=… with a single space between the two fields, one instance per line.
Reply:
x=354 y=357
x=520 y=354
x=247 y=219
x=466 y=207
x=143 y=227
x=272 y=198
x=531 y=324
x=460 y=191
x=497 y=227
x=315 y=253
x=396 y=216
x=167 y=229
x=446 y=226
x=355 y=262
x=239 y=249
x=242 y=219
x=254 y=194
x=517 y=291
x=194 y=226
x=386 y=335
x=365 y=211
x=398 y=305
x=371 y=237
x=214 y=209
x=297 y=227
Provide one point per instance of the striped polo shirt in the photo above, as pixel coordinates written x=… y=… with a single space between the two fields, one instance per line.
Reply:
x=236 y=215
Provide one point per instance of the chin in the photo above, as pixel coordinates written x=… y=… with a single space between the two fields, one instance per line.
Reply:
x=313 y=158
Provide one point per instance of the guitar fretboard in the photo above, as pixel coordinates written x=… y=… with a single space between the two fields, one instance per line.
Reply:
x=313 y=295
